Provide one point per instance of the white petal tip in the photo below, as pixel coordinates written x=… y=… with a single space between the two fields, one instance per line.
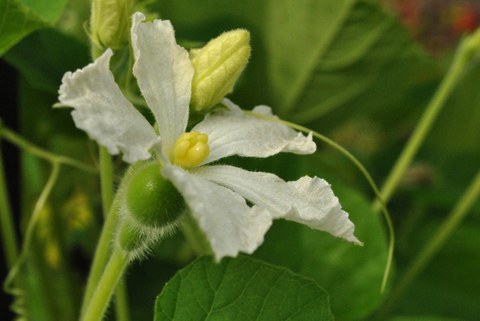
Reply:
x=138 y=17
x=355 y=241
x=59 y=105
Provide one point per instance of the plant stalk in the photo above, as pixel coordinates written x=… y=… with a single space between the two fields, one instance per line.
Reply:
x=101 y=256
x=106 y=286
x=465 y=54
x=9 y=237
x=451 y=223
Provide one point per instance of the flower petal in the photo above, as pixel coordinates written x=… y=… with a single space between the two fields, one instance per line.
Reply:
x=232 y=132
x=104 y=113
x=229 y=224
x=309 y=201
x=164 y=74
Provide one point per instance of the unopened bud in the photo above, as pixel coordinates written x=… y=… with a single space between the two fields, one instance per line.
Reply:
x=217 y=67
x=110 y=22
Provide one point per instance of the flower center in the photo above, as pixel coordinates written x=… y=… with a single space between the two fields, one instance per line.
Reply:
x=190 y=149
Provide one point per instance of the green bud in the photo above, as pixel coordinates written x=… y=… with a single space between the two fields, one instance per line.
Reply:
x=110 y=22
x=151 y=200
x=217 y=67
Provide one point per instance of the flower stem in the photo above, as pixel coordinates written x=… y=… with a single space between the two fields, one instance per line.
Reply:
x=106 y=285
x=122 y=311
x=100 y=259
x=29 y=234
x=450 y=224
x=106 y=180
x=9 y=238
x=464 y=55
x=41 y=153
x=102 y=252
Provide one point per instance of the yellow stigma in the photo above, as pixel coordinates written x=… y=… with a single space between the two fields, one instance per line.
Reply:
x=190 y=149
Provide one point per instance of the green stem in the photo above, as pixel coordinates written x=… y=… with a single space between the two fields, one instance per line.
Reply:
x=363 y=170
x=100 y=259
x=106 y=286
x=122 y=311
x=106 y=180
x=195 y=237
x=32 y=223
x=450 y=224
x=9 y=237
x=462 y=58
x=41 y=153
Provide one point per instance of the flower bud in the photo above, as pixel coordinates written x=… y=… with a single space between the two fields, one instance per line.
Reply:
x=109 y=22
x=151 y=200
x=217 y=67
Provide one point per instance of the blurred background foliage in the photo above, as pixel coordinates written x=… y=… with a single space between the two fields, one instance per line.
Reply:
x=360 y=72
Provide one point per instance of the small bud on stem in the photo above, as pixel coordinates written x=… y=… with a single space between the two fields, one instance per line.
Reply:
x=110 y=23
x=217 y=67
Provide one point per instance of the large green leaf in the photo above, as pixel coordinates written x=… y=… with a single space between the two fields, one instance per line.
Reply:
x=449 y=285
x=240 y=289
x=312 y=56
x=59 y=53
x=351 y=274
x=422 y=318
x=329 y=54
x=19 y=18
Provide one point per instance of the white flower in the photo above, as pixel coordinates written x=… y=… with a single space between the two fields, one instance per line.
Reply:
x=215 y=194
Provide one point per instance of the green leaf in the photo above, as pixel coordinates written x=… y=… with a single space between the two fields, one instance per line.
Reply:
x=202 y=21
x=19 y=18
x=240 y=289
x=327 y=54
x=351 y=274
x=59 y=54
x=422 y=318
x=449 y=285
x=313 y=57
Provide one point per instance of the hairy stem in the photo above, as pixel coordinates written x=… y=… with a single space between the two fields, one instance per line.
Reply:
x=41 y=153
x=106 y=180
x=102 y=254
x=106 y=286
x=122 y=310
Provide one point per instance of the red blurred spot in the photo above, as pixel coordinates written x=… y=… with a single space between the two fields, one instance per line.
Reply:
x=466 y=19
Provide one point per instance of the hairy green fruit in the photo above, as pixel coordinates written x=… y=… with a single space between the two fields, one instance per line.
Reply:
x=151 y=200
